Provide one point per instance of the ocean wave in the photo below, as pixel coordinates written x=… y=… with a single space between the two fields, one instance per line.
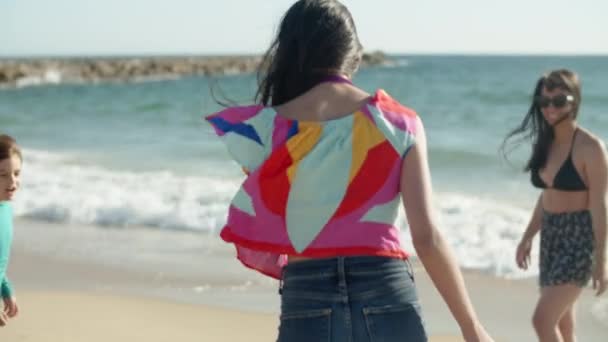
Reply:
x=483 y=233
x=59 y=188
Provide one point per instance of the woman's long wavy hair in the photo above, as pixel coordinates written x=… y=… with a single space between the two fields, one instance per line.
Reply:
x=316 y=38
x=534 y=126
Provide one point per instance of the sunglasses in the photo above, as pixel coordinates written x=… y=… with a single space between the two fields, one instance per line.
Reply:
x=558 y=101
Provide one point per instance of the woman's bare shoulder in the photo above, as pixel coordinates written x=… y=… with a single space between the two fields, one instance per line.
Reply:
x=591 y=145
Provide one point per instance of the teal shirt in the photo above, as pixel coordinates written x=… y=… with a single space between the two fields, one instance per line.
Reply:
x=6 y=238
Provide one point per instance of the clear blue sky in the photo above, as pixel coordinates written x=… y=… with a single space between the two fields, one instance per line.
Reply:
x=115 y=27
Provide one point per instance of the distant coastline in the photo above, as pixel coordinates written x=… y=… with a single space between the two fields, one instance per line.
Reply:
x=24 y=72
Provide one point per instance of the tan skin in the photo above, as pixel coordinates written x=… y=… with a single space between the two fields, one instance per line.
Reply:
x=10 y=172
x=329 y=101
x=554 y=316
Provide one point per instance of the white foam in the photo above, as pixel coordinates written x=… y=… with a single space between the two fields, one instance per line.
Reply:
x=50 y=76
x=28 y=81
x=58 y=189
x=483 y=232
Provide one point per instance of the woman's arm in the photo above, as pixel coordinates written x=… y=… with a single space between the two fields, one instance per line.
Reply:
x=597 y=177
x=524 y=248
x=431 y=247
x=536 y=220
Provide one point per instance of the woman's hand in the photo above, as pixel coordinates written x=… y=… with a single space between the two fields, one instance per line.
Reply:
x=600 y=277
x=476 y=334
x=522 y=255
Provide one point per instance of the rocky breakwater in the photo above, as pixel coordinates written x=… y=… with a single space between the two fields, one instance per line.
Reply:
x=30 y=71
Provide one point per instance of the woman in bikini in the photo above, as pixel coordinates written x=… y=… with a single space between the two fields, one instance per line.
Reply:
x=568 y=164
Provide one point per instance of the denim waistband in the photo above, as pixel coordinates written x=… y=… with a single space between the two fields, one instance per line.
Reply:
x=348 y=265
x=347 y=277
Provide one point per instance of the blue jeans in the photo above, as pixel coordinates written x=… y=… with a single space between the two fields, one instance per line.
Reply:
x=350 y=299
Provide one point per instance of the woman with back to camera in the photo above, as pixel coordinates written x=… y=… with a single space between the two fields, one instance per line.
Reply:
x=569 y=164
x=327 y=165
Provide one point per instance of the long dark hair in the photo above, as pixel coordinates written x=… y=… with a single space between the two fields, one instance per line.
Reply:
x=316 y=38
x=534 y=126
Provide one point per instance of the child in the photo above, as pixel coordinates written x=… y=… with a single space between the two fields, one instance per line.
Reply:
x=10 y=169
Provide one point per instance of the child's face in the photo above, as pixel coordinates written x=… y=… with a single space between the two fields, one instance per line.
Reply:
x=10 y=170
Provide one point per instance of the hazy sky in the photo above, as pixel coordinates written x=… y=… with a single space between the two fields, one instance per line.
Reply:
x=68 y=27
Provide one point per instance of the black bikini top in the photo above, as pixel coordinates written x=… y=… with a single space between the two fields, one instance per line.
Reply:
x=566 y=178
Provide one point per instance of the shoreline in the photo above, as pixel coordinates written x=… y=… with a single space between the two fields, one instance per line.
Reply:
x=196 y=287
x=120 y=318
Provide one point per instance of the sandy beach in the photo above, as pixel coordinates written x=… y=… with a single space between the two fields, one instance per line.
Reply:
x=67 y=294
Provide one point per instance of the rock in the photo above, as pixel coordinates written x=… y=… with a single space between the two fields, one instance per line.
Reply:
x=41 y=71
x=375 y=58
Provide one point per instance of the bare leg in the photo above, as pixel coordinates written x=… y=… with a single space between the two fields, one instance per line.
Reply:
x=566 y=325
x=554 y=302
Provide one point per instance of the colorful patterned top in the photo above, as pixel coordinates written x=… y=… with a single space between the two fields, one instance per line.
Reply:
x=316 y=188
